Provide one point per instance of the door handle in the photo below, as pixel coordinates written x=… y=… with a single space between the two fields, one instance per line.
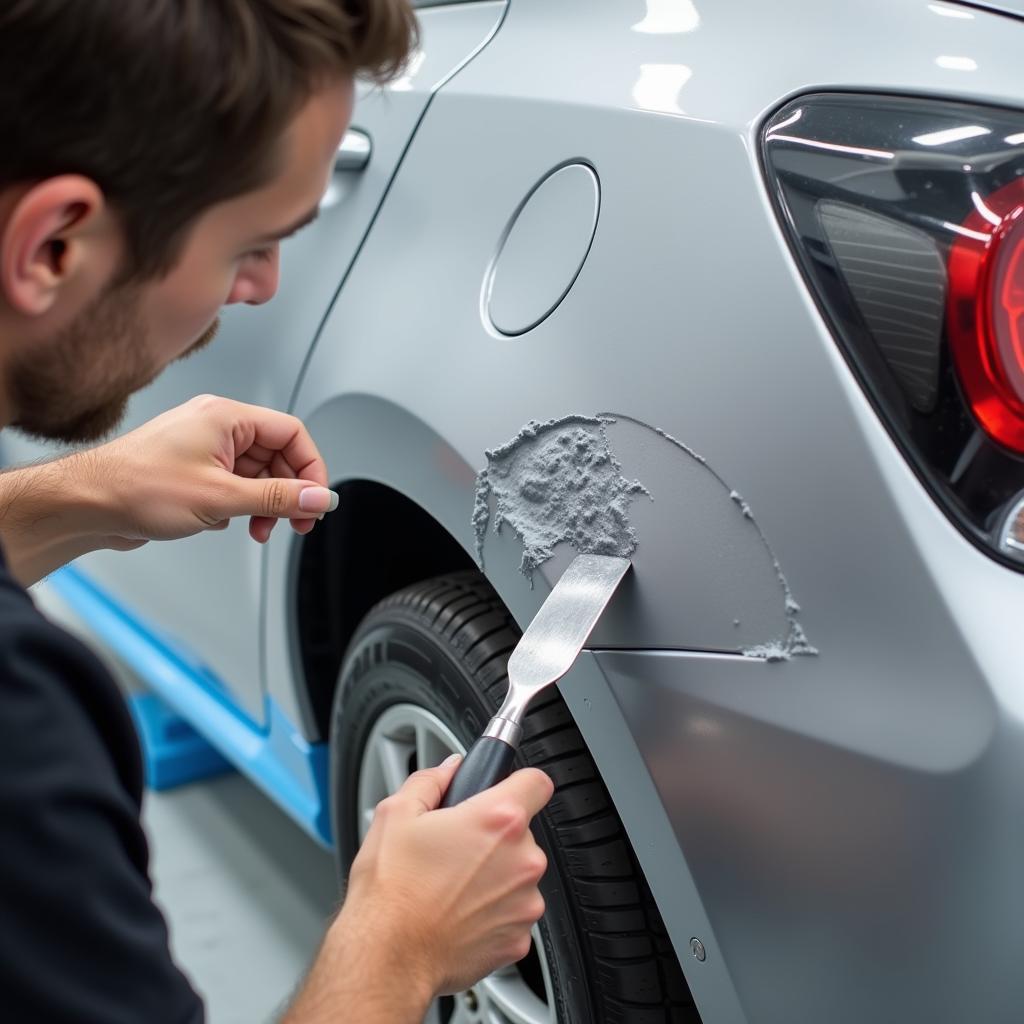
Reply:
x=354 y=152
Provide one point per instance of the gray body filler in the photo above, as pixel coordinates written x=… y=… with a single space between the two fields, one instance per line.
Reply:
x=560 y=482
x=786 y=814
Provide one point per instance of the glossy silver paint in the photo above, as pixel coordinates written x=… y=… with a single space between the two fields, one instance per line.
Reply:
x=354 y=151
x=866 y=793
x=541 y=250
x=1015 y=7
x=842 y=833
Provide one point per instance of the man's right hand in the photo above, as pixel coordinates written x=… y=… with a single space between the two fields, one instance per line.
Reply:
x=436 y=900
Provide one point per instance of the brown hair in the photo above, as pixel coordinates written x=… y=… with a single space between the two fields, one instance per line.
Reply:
x=171 y=106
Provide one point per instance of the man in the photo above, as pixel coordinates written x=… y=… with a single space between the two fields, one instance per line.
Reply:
x=152 y=155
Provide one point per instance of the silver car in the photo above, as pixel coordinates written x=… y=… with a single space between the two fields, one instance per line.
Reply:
x=734 y=288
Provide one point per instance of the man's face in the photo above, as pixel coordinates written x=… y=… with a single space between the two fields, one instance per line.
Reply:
x=76 y=386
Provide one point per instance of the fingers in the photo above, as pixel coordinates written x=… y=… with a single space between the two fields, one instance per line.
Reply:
x=425 y=789
x=270 y=466
x=260 y=462
x=275 y=447
x=273 y=498
x=266 y=435
x=260 y=528
x=529 y=788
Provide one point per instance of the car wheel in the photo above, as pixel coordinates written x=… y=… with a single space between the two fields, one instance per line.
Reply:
x=422 y=675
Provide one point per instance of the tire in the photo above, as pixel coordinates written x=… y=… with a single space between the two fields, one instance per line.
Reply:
x=436 y=652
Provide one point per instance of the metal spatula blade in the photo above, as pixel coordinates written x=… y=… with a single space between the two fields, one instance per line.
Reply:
x=547 y=650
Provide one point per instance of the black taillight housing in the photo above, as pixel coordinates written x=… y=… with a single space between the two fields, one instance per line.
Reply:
x=906 y=216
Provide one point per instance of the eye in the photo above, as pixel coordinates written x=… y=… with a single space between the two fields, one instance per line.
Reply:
x=264 y=255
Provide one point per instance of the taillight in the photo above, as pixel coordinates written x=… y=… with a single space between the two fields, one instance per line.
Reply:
x=906 y=216
x=986 y=312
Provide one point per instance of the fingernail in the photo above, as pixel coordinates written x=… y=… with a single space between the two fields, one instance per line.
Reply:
x=451 y=759
x=317 y=499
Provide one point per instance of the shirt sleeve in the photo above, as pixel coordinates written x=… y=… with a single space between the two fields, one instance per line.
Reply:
x=80 y=937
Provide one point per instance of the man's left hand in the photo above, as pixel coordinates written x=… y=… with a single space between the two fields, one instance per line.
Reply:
x=199 y=465
x=192 y=469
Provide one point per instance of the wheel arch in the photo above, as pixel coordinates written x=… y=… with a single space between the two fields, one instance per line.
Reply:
x=382 y=541
x=407 y=494
x=403 y=515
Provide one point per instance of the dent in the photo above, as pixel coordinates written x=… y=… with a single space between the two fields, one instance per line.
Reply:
x=570 y=481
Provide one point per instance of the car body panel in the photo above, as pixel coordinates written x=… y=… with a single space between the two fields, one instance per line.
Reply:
x=1014 y=7
x=692 y=317
x=630 y=320
x=840 y=885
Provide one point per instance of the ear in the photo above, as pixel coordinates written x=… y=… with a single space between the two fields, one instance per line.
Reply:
x=47 y=240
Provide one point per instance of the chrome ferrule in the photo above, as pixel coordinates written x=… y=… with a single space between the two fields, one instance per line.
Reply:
x=504 y=730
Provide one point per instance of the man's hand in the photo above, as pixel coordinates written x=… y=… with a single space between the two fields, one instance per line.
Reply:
x=192 y=469
x=437 y=899
x=198 y=466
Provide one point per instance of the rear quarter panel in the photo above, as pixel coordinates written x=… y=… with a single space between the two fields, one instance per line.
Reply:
x=841 y=832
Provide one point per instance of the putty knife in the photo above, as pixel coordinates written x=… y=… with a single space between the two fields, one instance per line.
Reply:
x=545 y=653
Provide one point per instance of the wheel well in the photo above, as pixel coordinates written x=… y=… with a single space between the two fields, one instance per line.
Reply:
x=377 y=542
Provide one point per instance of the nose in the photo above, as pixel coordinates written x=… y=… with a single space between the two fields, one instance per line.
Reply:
x=257 y=279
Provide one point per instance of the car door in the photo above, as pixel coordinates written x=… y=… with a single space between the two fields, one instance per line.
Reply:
x=202 y=595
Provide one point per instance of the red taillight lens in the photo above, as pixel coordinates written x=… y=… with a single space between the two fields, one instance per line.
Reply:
x=986 y=312
x=906 y=216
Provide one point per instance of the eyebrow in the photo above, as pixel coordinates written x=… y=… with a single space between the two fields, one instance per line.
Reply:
x=291 y=229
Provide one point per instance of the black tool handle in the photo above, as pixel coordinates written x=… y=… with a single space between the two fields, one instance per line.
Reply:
x=489 y=761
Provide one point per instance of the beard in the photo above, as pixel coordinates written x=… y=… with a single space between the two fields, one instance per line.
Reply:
x=202 y=341
x=76 y=388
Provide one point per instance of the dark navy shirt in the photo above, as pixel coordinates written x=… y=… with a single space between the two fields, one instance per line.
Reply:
x=80 y=937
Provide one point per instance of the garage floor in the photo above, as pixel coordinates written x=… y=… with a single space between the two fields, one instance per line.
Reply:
x=246 y=892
